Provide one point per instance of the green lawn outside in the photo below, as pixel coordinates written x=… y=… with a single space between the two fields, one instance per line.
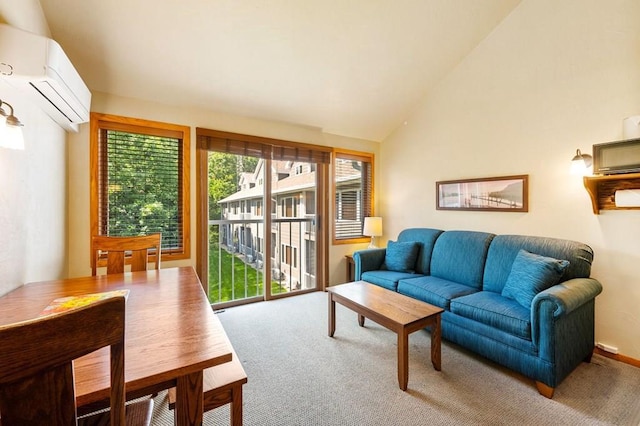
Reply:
x=227 y=290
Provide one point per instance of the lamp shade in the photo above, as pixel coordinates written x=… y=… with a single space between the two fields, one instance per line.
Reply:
x=372 y=226
x=580 y=163
x=11 y=137
x=10 y=129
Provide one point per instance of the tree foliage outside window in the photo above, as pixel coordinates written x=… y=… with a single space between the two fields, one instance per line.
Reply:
x=143 y=191
x=224 y=175
x=140 y=181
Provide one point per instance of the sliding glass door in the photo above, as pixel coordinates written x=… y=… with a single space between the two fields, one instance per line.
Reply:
x=262 y=226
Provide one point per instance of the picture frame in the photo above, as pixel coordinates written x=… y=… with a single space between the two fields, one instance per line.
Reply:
x=494 y=194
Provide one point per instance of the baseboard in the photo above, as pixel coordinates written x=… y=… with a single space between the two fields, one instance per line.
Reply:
x=617 y=357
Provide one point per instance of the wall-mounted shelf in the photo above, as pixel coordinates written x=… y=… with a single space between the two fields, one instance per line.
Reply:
x=602 y=190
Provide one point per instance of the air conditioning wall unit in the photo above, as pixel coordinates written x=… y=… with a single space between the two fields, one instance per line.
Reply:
x=38 y=67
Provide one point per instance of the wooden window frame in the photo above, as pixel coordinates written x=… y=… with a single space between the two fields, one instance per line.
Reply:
x=367 y=157
x=101 y=121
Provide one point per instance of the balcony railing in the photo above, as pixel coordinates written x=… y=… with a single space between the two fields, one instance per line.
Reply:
x=237 y=257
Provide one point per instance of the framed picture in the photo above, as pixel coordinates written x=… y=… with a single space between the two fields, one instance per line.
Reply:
x=497 y=194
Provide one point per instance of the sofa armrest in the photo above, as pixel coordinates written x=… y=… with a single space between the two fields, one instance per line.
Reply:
x=567 y=296
x=562 y=318
x=368 y=260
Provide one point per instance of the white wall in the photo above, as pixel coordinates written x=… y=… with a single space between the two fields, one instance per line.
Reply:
x=32 y=182
x=32 y=199
x=554 y=76
x=79 y=200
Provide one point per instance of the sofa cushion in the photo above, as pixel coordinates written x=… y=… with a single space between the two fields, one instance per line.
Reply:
x=386 y=279
x=433 y=290
x=460 y=256
x=530 y=274
x=426 y=239
x=496 y=311
x=504 y=249
x=401 y=256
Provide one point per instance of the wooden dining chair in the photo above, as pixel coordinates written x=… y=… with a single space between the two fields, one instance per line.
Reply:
x=117 y=251
x=36 y=367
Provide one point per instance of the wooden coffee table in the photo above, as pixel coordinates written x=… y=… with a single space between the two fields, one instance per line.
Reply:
x=392 y=310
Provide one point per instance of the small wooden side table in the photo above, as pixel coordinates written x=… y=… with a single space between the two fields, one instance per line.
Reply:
x=351 y=268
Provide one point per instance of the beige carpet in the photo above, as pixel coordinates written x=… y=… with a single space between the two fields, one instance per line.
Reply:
x=300 y=376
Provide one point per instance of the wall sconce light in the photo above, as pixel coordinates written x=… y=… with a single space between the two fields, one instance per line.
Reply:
x=10 y=129
x=372 y=228
x=580 y=163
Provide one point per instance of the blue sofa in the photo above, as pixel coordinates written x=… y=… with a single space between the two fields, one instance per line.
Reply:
x=524 y=302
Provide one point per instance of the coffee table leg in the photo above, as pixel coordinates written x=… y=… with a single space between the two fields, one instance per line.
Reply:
x=403 y=359
x=435 y=344
x=361 y=320
x=332 y=315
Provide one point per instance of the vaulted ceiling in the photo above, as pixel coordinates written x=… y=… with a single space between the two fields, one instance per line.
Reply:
x=350 y=67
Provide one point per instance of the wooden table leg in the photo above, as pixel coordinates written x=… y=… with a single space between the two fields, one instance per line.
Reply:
x=403 y=359
x=332 y=315
x=435 y=344
x=236 y=406
x=361 y=320
x=189 y=400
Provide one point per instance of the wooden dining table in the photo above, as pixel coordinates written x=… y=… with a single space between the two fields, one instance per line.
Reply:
x=171 y=336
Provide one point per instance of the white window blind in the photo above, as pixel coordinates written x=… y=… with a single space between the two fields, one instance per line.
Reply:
x=140 y=180
x=353 y=194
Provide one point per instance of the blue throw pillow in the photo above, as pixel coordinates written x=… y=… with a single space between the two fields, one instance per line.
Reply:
x=530 y=274
x=401 y=256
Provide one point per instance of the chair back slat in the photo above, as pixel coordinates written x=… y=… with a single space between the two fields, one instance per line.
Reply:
x=121 y=251
x=115 y=262
x=139 y=260
x=36 y=370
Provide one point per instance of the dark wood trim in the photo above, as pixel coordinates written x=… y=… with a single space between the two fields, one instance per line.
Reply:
x=618 y=357
x=219 y=134
x=202 y=217
x=324 y=194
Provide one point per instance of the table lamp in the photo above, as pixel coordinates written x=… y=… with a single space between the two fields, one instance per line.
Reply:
x=372 y=228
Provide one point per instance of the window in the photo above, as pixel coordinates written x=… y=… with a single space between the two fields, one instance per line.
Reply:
x=140 y=180
x=289 y=255
x=353 y=195
x=286 y=254
x=309 y=203
x=310 y=258
x=295 y=257
x=289 y=207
